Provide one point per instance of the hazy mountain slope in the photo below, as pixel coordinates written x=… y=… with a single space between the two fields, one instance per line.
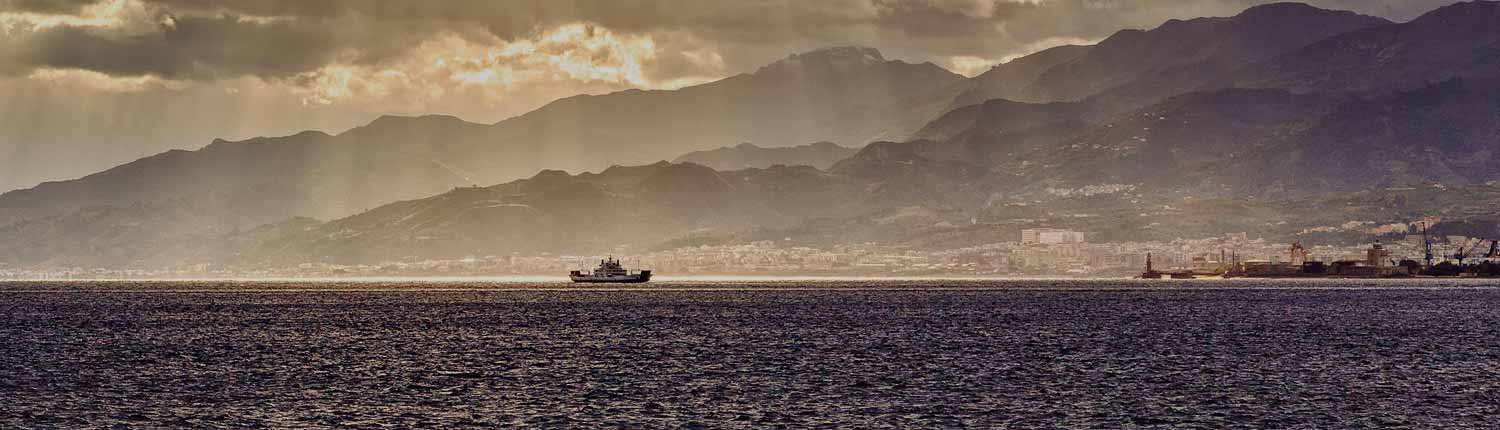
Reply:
x=555 y=212
x=999 y=116
x=1168 y=145
x=1445 y=133
x=1126 y=72
x=840 y=94
x=1135 y=68
x=1029 y=150
x=633 y=207
x=1270 y=143
x=844 y=95
x=1254 y=143
x=313 y=174
x=900 y=173
x=1000 y=135
x=1180 y=55
x=1457 y=41
x=171 y=234
x=1008 y=80
x=821 y=155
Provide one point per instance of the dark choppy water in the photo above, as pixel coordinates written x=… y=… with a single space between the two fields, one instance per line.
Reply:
x=798 y=355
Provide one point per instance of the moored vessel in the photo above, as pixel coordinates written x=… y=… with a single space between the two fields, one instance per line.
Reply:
x=610 y=271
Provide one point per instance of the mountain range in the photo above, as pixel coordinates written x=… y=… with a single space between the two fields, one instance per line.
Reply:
x=1135 y=67
x=1271 y=136
x=1281 y=105
x=848 y=95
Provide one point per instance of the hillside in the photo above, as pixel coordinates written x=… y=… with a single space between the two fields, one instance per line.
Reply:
x=634 y=207
x=1456 y=41
x=1178 y=56
x=1009 y=79
x=821 y=155
x=1320 y=119
x=847 y=95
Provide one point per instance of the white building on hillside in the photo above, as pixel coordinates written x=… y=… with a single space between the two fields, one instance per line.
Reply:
x=1050 y=236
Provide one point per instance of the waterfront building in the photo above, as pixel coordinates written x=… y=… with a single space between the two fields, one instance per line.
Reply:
x=1050 y=236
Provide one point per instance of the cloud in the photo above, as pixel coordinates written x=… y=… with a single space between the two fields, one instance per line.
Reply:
x=189 y=48
x=46 y=6
x=140 y=39
x=99 y=81
x=576 y=53
x=969 y=65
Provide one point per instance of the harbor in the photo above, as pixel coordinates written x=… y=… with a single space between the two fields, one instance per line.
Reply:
x=1468 y=259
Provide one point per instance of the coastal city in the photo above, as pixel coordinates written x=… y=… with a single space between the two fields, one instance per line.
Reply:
x=1037 y=253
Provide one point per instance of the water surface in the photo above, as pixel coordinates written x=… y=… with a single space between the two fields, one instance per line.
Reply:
x=796 y=354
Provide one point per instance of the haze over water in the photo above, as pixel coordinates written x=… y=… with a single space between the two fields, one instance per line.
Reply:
x=1107 y=354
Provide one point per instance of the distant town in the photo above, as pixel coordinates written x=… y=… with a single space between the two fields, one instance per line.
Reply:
x=1042 y=252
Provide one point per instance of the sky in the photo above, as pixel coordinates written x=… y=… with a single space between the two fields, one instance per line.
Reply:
x=88 y=84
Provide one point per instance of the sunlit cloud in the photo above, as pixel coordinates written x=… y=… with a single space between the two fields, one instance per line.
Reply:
x=102 y=82
x=969 y=65
x=106 y=14
x=579 y=52
x=1046 y=43
x=125 y=17
x=682 y=82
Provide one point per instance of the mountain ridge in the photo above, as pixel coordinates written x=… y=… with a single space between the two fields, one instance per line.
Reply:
x=1209 y=46
x=1454 y=41
x=821 y=155
x=399 y=157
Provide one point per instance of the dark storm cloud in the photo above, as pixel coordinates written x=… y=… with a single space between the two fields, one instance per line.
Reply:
x=193 y=48
x=46 y=6
x=185 y=45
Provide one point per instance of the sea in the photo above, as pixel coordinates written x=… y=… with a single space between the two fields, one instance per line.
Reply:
x=404 y=354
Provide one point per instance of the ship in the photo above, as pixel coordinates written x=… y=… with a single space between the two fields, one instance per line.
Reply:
x=610 y=271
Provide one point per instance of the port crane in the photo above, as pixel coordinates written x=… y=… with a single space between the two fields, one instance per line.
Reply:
x=1466 y=248
x=1471 y=247
x=1426 y=247
x=1492 y=254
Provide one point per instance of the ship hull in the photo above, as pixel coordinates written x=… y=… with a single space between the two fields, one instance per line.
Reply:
x=626 y=279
